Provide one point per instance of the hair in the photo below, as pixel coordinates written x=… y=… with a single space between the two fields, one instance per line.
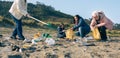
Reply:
x=77 y=17
x=61 y=24
x=95 y=13
x=100 y=14
x=25 y=1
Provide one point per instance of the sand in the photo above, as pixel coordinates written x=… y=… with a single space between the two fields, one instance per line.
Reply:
x=62 y=48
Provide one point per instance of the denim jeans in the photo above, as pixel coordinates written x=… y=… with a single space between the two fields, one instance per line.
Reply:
x=18 y=28
x=83 y=31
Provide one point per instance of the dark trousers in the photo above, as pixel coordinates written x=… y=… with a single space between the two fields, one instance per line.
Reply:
x=102 y=31
x=18 y=28
x=61 y=35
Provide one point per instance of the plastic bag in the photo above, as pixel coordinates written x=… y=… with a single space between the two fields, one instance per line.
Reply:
x=33 y=41
x=45 y=35
x=69 y=34
x=96 y=34
x=50 y=41
x=37 y=35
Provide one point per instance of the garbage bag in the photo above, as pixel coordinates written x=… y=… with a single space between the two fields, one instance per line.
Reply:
x=69 y=34
x=96 y=34
x=50 y=41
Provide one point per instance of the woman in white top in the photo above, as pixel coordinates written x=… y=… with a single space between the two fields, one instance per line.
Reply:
x=17 y=10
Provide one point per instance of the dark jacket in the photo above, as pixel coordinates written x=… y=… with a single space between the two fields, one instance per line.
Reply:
x=60 y=33
x=83 y=27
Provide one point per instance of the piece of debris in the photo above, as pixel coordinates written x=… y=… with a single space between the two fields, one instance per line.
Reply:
x=15 y=48
x=67 y=55
x=88 y=44
x=15 y=56
x=50 y=55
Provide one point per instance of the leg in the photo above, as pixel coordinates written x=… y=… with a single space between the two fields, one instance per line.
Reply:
x=102 y=31
x=81 y=32
x=14 y=33
x=19 y=30
x=62 y=35
x=82 y=35
x=84 y=31
x=15 y=30
x=77 y=33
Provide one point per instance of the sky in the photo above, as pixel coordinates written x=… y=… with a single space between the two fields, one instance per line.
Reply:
x=84 y=8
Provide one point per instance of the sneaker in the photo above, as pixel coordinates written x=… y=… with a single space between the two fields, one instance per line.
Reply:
x=27 y=41
x=103 y=40
x=12 y=37
x=21 y=38
x=1 y=36
x=86 y=40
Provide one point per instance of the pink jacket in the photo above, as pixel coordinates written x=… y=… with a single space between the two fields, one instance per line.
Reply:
x=103 y=22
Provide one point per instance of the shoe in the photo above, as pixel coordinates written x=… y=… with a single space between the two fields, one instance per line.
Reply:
x=1 y=36
x=27 y=41
x=21 y=38
x=12 y=37
x=104 y=40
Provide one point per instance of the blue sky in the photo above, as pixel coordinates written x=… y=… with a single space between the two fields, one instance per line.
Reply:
x=85 y=7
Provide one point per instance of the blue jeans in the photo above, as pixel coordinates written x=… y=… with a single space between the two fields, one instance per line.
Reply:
x=83 y=31
x=18 y=28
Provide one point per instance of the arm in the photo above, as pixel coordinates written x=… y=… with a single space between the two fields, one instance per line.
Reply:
x=102 y=23
x=92 y=24
x=79 y=24
x=20 y=7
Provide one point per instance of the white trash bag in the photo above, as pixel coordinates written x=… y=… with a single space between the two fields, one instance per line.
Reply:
x=50 y=41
